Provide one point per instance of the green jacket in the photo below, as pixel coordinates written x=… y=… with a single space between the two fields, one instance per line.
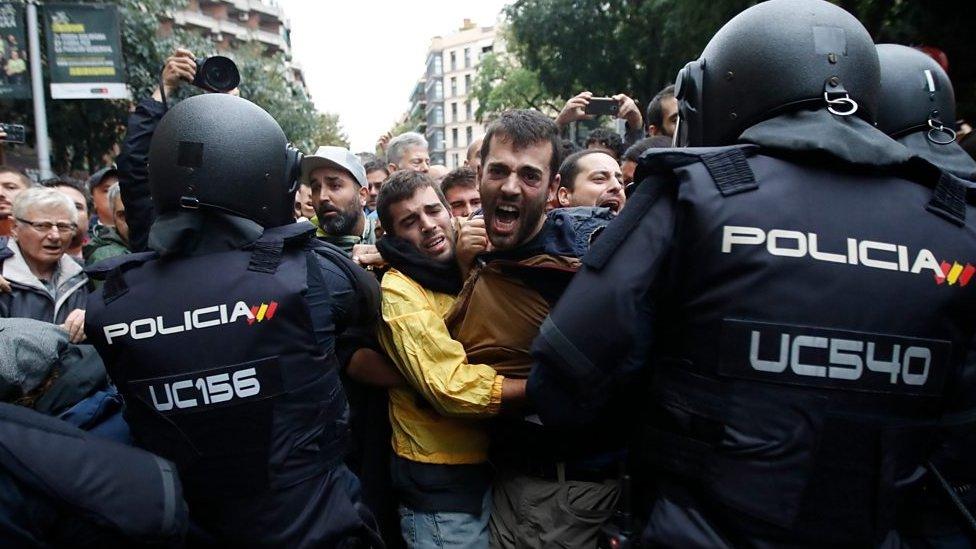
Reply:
x=105 y=243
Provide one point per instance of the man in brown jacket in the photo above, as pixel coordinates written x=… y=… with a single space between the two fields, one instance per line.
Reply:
x=543 y=493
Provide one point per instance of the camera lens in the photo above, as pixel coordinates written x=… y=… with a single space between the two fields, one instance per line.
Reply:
x=220 y=74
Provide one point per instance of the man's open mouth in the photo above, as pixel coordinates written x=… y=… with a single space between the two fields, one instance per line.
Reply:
x=506 y=218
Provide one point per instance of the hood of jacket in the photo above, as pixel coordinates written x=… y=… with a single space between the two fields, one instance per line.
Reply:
x=950 y=158
x=822 y=136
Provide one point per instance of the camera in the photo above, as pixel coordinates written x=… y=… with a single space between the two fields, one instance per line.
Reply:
x=16 y=133
x=216 y=74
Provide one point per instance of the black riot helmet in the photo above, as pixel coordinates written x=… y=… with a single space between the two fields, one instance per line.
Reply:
x=223 y=152
x=775 y=57
x=916 y=95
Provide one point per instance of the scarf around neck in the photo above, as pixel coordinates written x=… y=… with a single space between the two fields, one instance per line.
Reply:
x=443 y=277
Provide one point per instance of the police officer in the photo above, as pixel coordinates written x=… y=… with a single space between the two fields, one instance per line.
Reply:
x=221 y=338
x=783 y=290
x=918 y=109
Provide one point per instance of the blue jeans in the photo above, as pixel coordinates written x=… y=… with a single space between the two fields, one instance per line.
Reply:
x=437 y=530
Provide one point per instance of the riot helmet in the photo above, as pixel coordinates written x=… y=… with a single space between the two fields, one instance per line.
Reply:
x=775 y=57
x=222 y=152
x=916 y=95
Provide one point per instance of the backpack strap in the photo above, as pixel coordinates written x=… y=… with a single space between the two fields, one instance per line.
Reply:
x=111 y=270
x=730 y=171
x=364 y=283
x=949 y=199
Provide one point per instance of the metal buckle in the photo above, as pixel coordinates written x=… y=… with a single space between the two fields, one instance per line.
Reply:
x=938 y=128
x=190 y=202
x=845 y=100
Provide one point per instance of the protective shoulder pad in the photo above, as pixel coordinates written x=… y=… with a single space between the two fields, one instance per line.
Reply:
x=365 y=284
x=120 y=488
x=726 y=165
x=100 y=270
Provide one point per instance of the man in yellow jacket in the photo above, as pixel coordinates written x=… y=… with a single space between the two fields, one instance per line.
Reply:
x=440 y=467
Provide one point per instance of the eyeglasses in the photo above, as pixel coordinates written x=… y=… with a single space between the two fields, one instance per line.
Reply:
x=45 y=227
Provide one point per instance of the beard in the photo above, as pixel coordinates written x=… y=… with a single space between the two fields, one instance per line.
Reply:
x=342 y=224
x=530 y=212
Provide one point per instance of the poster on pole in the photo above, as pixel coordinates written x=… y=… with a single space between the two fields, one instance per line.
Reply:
x=84 y=51
x=14 y=64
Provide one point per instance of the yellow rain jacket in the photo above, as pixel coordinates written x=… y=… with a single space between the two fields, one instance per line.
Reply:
x=435 y=418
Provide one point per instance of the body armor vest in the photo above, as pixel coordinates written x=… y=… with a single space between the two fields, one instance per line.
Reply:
x=810 y=340
x=216 y=358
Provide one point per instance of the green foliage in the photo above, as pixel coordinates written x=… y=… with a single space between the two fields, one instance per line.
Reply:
x=637 y=46
x=501 y=83
x=84 y=132
x=264 y=81
x=329 y=131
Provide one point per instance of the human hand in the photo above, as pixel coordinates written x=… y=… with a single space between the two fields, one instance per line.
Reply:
x=4 y=286
x=383 y=141
x=628 y=111
x=575 y=109
x=179 y=68
x=472 y=240
x=366 y=256
x=75 y=326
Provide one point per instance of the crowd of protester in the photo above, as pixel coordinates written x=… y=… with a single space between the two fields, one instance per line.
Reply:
x=470 y=262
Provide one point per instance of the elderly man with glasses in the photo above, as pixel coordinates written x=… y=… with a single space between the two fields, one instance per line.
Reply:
x=45 y=284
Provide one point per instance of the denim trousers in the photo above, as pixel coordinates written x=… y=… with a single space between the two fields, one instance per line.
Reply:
x=436 y=530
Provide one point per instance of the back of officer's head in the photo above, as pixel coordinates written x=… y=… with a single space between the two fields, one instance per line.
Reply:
x=223 y=153
x=777 y=57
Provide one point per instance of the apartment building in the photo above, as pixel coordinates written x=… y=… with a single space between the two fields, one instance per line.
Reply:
x=447 y=101
x=230 y=23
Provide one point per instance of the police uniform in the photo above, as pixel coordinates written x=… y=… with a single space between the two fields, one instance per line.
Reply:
x=800 y=304
x=916 y=97
x=222 y=343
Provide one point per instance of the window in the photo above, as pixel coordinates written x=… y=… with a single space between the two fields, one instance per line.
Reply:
x=467 y=110
x=437 y=140
x=454 y=160
x=438 y=90
x=454 y=117
x=469 y=133
x=454 y=138
x=453 y=61
x=436 y=117
x=467 y=58
x=453 y=86
x=434 y=65
x=467 y=84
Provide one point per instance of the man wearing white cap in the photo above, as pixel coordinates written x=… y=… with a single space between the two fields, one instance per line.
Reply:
x=339 y=190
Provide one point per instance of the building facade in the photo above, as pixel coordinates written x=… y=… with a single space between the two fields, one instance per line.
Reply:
x=231 y=23
x=447 y=99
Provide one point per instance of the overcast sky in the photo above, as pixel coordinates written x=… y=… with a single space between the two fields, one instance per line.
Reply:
x=361 y=58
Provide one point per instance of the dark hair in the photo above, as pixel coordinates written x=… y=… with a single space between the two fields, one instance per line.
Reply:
x=608 y=139
x=460 y=177
x=70 y=182
x=570 y=167
x=655 y=114
x=567 y=147
x=376 y=165
x=400 y=186
x=524 y=128
x=637 y=149
x=23 y=176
